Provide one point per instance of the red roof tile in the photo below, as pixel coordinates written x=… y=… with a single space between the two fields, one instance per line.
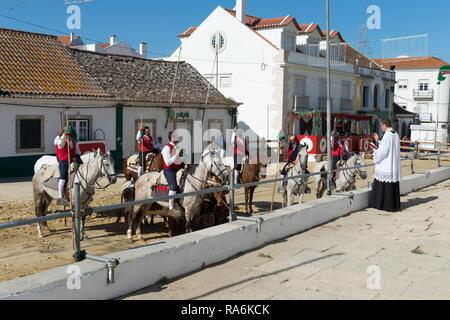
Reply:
x=412 y=63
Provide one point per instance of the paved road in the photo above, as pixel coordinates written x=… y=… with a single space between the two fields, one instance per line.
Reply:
x=409 y=251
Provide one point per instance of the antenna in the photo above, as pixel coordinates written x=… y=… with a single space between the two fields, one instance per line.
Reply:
x=363 y=42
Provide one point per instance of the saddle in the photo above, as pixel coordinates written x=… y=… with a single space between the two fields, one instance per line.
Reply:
x=157 y=180
x=51 y=176
x=339 y=166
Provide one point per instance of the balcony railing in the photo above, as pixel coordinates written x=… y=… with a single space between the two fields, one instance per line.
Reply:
x=323 y=103
x=422 y=94
x=301 y=103
x=347 y=105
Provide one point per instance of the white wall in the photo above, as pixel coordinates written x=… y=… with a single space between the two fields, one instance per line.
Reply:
x=102 y=118
x=250 y=84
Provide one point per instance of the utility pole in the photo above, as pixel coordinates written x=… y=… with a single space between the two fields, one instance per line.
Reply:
x=329 y=145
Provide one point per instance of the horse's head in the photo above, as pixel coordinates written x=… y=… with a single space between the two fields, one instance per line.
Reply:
x=302 y=158
x=213 y=161
x=360 y=163
x=107 y=166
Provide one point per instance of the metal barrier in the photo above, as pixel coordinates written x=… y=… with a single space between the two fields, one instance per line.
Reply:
x=112 y=263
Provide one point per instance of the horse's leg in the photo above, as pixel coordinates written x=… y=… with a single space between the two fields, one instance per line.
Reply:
x=188 y=218
x=40 y=212
x=247 y=194
x=252 y=192
x=135 y=211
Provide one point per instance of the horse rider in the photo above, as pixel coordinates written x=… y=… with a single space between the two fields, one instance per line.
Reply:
x=293 y=150
x=145 y=146
x=63 y=142
x=239 y=153
x=339 y=153
x=172 y=164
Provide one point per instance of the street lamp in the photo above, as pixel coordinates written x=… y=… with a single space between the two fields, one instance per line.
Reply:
x=329 y=145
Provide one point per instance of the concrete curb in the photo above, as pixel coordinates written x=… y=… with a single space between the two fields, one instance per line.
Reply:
x=143 y=267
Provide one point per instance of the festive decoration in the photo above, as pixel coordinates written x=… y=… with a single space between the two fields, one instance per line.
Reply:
x=170 y=116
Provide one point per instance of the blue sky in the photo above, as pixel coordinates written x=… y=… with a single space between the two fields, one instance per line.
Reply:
x=158 y=22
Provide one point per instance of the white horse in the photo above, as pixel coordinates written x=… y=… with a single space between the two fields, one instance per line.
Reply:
x=298 y=186
x=211 y=164
x=87 y=175
x=347 y=174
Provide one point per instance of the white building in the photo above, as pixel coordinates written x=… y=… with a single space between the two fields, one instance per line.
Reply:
x=114 y=46
x=101 y=93
x=275 y=66
x=417 y=91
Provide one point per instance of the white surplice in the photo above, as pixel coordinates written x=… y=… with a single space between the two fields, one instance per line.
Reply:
x=387 y=158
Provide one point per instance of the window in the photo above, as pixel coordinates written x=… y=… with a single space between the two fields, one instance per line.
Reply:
x=151 y=123
x=225 y=80
x=345 y=90
x=218 y=42
x=300 y=87
x=29 y=134
x=403 y=84
x=387 y=99
x=81 y=128
x=365 y=99
x=424 y=85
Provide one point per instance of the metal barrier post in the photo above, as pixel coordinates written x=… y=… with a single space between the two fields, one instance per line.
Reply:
x=439 y=154
x=412 y=164
x=232 y=216
x=78 y=255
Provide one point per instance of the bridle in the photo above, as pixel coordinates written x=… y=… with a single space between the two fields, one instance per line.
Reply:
x=357 y=173
x=90 y=189
x=207 y=182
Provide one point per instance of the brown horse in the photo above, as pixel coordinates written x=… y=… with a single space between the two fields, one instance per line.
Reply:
x=155 y=164
x=252 y=173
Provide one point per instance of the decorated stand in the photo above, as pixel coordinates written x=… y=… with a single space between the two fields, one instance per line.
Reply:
x=98 y=143
x=354 y=131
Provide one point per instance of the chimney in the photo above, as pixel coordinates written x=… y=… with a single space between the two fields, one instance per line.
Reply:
x=72 y=37
x=143 y=48
x=241 y=11
x=112 y=39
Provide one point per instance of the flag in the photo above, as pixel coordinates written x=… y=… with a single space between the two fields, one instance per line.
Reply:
x=443 y=72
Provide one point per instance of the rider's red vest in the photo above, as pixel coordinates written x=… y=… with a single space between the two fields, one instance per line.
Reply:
x=239 y=147
x=146 y=145
x=173 y=166
x=63 y=154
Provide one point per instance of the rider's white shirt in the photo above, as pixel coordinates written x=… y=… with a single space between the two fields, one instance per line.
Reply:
x=171 y=158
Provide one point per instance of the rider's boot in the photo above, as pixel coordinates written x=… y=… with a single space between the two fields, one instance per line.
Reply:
x=172 y=206
x=62 y=201
x=236 y=177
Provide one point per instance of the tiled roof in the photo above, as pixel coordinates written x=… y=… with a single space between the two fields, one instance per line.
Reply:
x=308 y=28
x=39 y=65
x=188 y=32
x=257 y=23
x=412 y=63
x=141 y=80
x=353 y=56
x=333 y=34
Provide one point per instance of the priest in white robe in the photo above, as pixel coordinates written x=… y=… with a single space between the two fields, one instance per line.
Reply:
x=385 y=194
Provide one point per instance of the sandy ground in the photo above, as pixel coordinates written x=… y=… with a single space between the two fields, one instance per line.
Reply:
x=21 y=253
x=368 y=255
